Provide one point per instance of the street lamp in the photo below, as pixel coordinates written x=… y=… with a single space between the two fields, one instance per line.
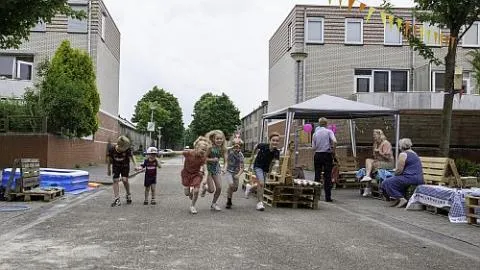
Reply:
x=152 y=108
x=298 y=57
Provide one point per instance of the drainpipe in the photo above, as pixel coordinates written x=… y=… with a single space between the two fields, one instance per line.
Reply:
x=412 y=61
x=89 y=45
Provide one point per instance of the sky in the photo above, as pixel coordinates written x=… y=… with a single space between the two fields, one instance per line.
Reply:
x=191 y=47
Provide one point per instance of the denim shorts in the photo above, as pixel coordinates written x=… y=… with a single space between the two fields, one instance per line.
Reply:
x=260 y=174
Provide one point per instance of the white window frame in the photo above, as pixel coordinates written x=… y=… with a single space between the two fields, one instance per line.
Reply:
x=478 y=37
x=354 y=20
x=19 y=63
x=104 y=23
x=69 y=19
x=469 y=81
x=433 y=81
x=315 y=19
x=427 y=41
x=370 y=86
x=372 y=80
x=291 y=35
x=385 y=36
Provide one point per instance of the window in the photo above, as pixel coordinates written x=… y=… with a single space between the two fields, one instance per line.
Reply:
x=6 y=66
x=438 y=81
x=353 y=31
x=429 y=35
x=12 y=67
x=314 y=30
x=381 y=81
x=40 y=27
x=104 y=25
x=467 y=82
x=472 y=36
x=399 y=81
x=290 y=35
x=392 y=35
x=75 y=25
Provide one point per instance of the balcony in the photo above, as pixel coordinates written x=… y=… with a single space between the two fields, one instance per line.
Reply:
x=417 y=100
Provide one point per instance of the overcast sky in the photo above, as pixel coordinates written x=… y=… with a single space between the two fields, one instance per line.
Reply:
x=190 y=47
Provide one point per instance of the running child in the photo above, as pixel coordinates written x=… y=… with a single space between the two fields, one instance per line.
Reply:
x=217 y=151
x=150 y=164
x=234 y=169
x=119 y=158
x=194 y=169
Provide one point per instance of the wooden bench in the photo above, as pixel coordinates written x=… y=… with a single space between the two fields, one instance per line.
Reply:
x=436 y=171
x=347 y=167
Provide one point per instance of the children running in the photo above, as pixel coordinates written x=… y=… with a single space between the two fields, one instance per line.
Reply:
x=119 y=159
x=217 y=151
x=194 y=170
x=150 y=165
x=234 y=169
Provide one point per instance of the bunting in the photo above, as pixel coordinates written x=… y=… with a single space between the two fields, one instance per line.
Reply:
x=390 y=20
x=340 y=2
x=350 y=4
x=362 y=7
x=370 y=12
x=384 y=18
x=330 y=2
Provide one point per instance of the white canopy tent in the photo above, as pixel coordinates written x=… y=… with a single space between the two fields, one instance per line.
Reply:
x=331 y=107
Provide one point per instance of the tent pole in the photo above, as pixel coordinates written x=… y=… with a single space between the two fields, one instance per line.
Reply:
x=296 y=144
x=352 y=135
x=397 y=136
x=288 y=126
x=262 y=131
x=354 y=127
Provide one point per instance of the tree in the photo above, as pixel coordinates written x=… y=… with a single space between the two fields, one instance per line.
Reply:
x=189 y=137
x=68 y=93
x=458 y=16
x=17 y=17
x=172 y=126
x=475 y=61
x=215 y=112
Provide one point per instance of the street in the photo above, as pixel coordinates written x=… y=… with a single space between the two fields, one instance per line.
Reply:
x=84 y=232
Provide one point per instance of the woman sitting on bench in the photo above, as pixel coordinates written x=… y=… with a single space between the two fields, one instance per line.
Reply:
x=408 y=172
x=382 y=158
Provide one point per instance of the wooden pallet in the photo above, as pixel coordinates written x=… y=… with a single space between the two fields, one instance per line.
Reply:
x=291 y=196
x=473 y=209
x=38 y=194
x=347 y=167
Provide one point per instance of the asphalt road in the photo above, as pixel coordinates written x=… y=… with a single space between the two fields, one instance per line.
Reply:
x=84 y=232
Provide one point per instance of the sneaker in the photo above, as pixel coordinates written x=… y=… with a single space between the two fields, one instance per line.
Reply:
x=248 y=187
x=366 y=179
x=367 y=192
x=145 y=202
x=153 y=202
x=215 y=207
x=260 y=206
x=193 y=210
x=402 y=202
x=116 y=202
x=129 y=199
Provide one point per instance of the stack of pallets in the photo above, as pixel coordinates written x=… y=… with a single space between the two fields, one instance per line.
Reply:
x=473 y=209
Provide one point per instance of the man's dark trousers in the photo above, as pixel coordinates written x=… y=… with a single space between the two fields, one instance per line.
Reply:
x=323 y=162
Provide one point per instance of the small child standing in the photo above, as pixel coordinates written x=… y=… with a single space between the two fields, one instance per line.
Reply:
x=150 y=165
x=194 y=169
x=119 y=158
x=234 y=169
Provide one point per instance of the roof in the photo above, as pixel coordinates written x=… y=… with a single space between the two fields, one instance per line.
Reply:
x=331 y=107
x=125 y=122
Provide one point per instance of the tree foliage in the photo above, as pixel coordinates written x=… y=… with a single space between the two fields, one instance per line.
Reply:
x=215 y=112
x=17 y=17
x=167 y=115
x=189 y=137
x=458 y=16
x=68 y=93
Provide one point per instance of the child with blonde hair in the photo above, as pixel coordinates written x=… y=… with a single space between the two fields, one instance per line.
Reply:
x=194 y=169
x=217 y=151
x=234 y=169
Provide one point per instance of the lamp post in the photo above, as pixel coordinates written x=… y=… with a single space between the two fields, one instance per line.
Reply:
x=152 y=108
x=298 y=57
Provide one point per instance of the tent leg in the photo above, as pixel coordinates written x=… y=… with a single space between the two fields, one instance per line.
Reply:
x=262 y=131
x=296 y=144
x=352 y=137
x=397 y=136
x=288 y=126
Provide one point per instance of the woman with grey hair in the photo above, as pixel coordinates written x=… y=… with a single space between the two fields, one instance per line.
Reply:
x=408 y=172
